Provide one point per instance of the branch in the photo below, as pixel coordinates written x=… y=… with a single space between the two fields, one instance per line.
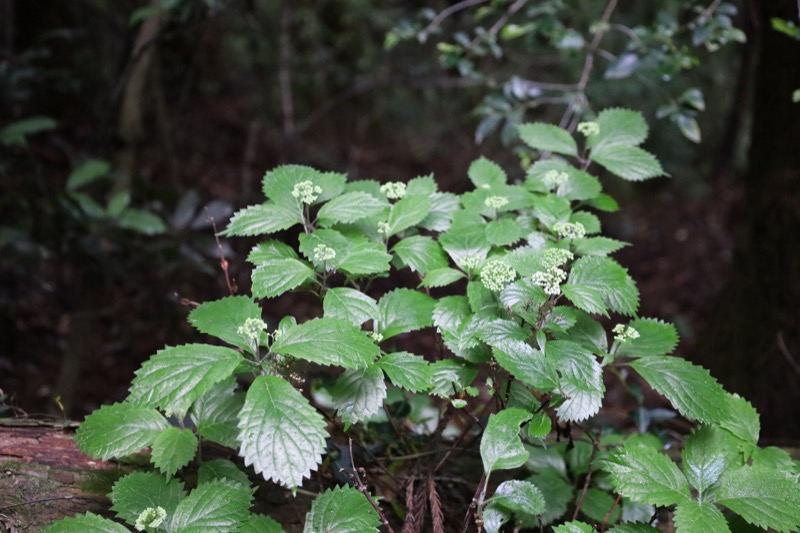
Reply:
x=455 y=8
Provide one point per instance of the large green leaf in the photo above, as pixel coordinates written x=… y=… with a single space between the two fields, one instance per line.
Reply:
x=741 y=419
x=647 y=476
x=656 y=337
x=281 y=435
x=420 y=253
x=351 y=207
x=522 y=497
x=279 y=183
x=704 y=457
x=581 y=381
x=618 y=127
x=343 y=510
x=359 y=393
x=483 y=172
x=441 y=277
x=579 y=185
x=175 y=377
x=465 y=242
x=172 y=449
x=213 y=507
x=451 y=376
x=273 y=278
x=696 y=516
x=504 y=232
x=597 y=504
x=764 y=497
x=118 y=430
x=407 y=212
x=261 y=524
x=404 y=310
x=607 y=278
x=527 y=364
x=443 y=205
x=221 y=469
x=501 y=446
x=222 y=319
x=365 y=258
x=406 y=370
x=597 y=246
x=85 y=523
x=137 y=491
x=263 y=219
x=270 y=250
x=548 y=138
x=215 y=414
x=349 y=304
x=628 y=162
x=328 y=341
x=689 y=388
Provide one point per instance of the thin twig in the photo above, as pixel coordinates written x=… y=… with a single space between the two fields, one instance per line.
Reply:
x=43 y=500
x=473 y=506
x=608 y=514
x=579 y=501
x=787 y=354
x=455 y=8
x=362 y=488
x=223 y=263
x=513 y=8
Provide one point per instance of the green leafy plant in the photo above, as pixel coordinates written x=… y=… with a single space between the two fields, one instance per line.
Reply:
x=513 y=284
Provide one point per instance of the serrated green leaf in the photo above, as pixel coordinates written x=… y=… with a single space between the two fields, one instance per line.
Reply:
x=574 y=527
x=359 y=393
x=465 y=242
x=704 y=458
x=741 y=419
x=483 y=172
x=421 y=186
x=481 y=299
x=557 y=492
x=597 y=246
x=85 y=523
x=441 y=277
x=581 y=381
x=87 y=172
x=695 y=516
x=261 y=524
x=548 y=138
x=269 y=251
x=606 y=277
x=587 y=332
x=343 y=510
x=443 y=205
x=406 y=370
x=421 y=254
x=172 y=449
x=404 y=310
x=175 y=377
x=499 y=331
x=451 y=376
x=118 y=430
x=215 y=414
x=407 y=212
x=328 y=341
x=689 y=388
x=349 y=304
x=222 y=319
x=647 y=476
x=522 y=294
x=539 y=426
x=579 y=185
x=273 y=278
x=604 y=202
x=656 y=337
x=628 y=162
x=527 y=364
x=550 y=209
x=619 y=127
x=137 y=491
x=221 y=469
x=213 y=507
x=522 y=497
x=597 y=504
x=365 y=258
x=351 y=207
x=763 y=497
x=588 y=220
x=504 y=232
x=585 y=298
x=281 y=435
x=263 y=219
x=501 y=446
x=279 y=183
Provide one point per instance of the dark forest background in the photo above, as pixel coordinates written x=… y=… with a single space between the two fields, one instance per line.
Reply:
x=131 y=130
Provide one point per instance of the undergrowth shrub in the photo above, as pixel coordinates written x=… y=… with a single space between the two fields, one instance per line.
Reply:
x=532 y=320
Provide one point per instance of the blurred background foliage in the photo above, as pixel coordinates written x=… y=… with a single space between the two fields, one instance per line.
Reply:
x=130 y=129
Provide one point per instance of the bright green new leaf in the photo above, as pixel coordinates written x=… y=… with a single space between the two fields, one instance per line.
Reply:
x=581 y=381
x=421 y=254
x=763 y=497
x=540 y=426
x=628 y=162
x=328 y=341
x=118 y=430
x=407 y=212
x=689 y=388
x=606 y=277
x=504 y=232
x=343 y=510
x=349 y=304
x=222 y=319
x=404 y=310
x=441 y=277
x=501 y=446
x=261 y=524
x=213 y=507
x=351 y=207
x=175 y=377
x=281 y=435
x=85 y=523
x=359 y=393
x=215 y=414
x=263 y=219
x=696 y=516
x=483 y=172
x=406 y=370
x=619 y=127
x=273 y=278
x=656 y=337
x=172 y=449
x=137 y=491
x=647 y=476
x=527 y=364
x=705 y=457
x=548 y=138
x=221 y=469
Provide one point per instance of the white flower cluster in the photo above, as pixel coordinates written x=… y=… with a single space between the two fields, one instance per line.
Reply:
x=306 y=191
x=550 y=280
x=252 y=328
x=150 y=517
x=495 y=275
x=470 y=262
x=570 y=230
x=623 y=333
x=589 y=128
x=394 y=189
x=374 y=335
x=555 y=257
x=496 y=202
x=383 y=227
x=323 y=252
x=554 y=178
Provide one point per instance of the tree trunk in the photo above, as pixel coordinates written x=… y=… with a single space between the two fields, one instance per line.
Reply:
x=753 y=343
